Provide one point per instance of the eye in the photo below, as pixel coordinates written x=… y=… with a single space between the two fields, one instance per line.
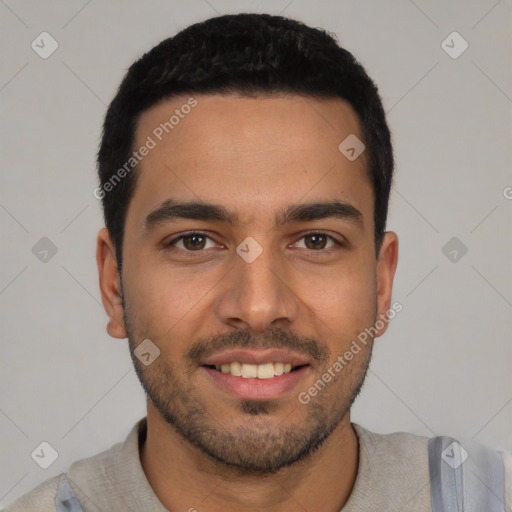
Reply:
x=316 y=241
x=193 y=241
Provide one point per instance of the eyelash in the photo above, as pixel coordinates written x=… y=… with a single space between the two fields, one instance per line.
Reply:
x=171 y=244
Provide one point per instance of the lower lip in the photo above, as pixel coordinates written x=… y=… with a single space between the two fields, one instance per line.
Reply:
x=256 y=389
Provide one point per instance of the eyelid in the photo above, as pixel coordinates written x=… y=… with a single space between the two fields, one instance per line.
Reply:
x=339 y=243
x=176 y=239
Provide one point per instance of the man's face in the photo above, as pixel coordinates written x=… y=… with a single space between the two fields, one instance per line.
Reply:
x=260 y=289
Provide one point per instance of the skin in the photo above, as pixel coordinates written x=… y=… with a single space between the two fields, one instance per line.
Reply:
x=253 y=156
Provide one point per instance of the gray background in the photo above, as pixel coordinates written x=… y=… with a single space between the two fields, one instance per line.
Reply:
x=443 y=367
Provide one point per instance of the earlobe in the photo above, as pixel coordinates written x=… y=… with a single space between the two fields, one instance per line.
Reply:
x=110 y=284
x=386 y=267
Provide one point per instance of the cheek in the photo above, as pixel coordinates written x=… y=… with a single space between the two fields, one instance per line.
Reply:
x=345 y=301
x=164 y=300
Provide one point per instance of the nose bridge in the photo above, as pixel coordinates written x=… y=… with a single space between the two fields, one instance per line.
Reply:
x=257 y=291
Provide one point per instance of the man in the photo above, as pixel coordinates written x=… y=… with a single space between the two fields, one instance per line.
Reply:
x=245 y=170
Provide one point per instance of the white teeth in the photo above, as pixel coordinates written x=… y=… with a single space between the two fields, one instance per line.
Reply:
x=265 y=371
x=249 y=371
x=236 y=369
x=278 y=368
x=253 y=371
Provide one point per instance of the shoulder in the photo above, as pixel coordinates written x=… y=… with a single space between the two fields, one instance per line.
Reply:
x=401 y=447
x=90 y=480
x=42 y=498
x=392 y=473
x=477 y=475
x=442 y=467
x=39 y=499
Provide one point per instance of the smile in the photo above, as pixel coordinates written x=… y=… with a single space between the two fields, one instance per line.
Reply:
x=255 y=371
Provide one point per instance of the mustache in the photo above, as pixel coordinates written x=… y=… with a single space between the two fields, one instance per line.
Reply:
x=275 y=337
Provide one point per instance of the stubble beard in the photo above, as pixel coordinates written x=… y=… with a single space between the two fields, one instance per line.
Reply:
x=258 y=446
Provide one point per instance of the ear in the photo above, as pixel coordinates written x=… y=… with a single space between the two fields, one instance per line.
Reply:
x=110 y=284
x=386 y=266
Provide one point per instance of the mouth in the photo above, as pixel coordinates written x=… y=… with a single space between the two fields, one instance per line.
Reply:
x=250 y=375
x=255 y=371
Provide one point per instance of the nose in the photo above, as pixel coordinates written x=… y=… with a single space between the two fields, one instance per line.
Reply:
x=257 y=293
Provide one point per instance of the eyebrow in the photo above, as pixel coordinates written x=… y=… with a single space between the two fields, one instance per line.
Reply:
x=171 y=210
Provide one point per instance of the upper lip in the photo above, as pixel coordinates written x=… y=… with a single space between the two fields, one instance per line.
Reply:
x=256 y=357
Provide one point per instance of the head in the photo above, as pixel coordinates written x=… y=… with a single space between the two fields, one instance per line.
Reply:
x=232 y=129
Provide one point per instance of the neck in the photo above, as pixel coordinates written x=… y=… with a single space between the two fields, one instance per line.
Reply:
x=184 y=478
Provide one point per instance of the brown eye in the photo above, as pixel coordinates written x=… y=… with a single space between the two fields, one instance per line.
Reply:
x=317 y=242
x=191 y=242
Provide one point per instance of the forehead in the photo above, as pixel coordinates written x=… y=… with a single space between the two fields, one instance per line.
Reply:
x=270 y=151
x=237 y=123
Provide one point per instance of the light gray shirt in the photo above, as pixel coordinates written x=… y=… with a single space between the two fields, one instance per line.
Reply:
x=393 y=475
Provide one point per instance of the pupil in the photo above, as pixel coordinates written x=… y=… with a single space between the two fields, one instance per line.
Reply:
x=316 y=236
x=194 y=240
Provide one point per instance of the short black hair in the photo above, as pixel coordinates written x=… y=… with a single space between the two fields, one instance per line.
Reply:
x=250 y=55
